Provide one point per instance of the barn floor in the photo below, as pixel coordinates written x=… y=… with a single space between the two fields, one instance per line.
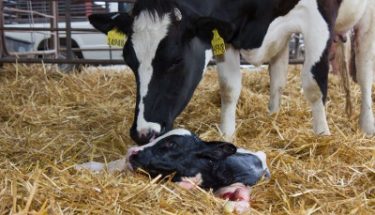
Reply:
x=49 y=122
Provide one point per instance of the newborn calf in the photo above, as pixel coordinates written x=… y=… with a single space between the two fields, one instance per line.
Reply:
x=218 y=165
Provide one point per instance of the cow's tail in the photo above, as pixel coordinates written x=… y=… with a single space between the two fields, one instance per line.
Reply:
x=345 y=77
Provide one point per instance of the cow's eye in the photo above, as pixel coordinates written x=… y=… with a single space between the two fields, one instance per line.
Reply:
x=175 y=64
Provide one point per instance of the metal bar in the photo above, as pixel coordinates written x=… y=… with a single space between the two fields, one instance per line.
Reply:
x=68 y=40
x=55 y=24
x=46 y=29
x=27 y=11
x=92 y=49
x=1 y=32
x=32 y=53
x=91 y=61
x=3 y=48
x=61 y=61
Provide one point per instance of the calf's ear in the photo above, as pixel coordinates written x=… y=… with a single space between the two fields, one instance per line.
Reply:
x=108 y=21
x=217 y=150
x=204 y=26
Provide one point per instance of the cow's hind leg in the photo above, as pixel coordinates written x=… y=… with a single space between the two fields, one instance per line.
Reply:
x=278 y=70
x=314 y=84
x=230 y=88
x=365 y=50
x=315 y=72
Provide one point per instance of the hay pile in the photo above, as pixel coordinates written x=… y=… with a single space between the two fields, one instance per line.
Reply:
x=50 y=122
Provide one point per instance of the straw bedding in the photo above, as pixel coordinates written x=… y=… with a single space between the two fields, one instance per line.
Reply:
x=50 y=121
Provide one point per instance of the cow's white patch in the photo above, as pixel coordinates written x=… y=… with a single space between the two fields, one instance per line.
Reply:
x=148 y=30
x=207 y=57
x=350 y=12
x=230 y=87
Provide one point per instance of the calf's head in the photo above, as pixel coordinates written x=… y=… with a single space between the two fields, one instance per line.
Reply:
x=167 y=54
x=178 y=151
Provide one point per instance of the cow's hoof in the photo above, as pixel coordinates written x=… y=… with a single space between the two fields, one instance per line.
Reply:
x=273 y=109
x=274 y=105
x=368 y=129
x=366 y=122
x=227 y=133
x=228 y=138
x=324 y=132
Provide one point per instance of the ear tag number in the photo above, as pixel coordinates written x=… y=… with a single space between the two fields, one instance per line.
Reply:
x=218 y=44
x=116 y=38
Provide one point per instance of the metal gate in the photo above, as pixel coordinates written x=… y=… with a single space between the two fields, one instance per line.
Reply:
x=56 y=21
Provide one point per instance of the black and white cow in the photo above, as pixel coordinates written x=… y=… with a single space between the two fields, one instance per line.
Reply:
x=220 y=166
x=169 y=47
x=360 y=15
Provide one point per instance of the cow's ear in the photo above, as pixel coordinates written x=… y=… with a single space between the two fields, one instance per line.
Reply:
x=108 y=21
x=204 y=26
x=217 y=150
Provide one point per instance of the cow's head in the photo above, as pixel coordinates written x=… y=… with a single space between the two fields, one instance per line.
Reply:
x=178 y=151
x=166 y=49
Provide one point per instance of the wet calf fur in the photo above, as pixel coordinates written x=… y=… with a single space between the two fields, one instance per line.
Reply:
x=193 y=161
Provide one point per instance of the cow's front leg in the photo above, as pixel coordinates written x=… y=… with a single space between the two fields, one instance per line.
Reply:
x=278 y=70
x=230 y=88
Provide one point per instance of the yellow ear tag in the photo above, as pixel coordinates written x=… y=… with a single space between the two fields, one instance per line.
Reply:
x=218 y=44
x=116 y=38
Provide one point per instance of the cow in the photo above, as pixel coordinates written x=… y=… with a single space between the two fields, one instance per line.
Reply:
x=360 y=15
x=168 y=48
x=192 y=162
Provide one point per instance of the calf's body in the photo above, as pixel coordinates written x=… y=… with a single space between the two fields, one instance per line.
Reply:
x=220 y=166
